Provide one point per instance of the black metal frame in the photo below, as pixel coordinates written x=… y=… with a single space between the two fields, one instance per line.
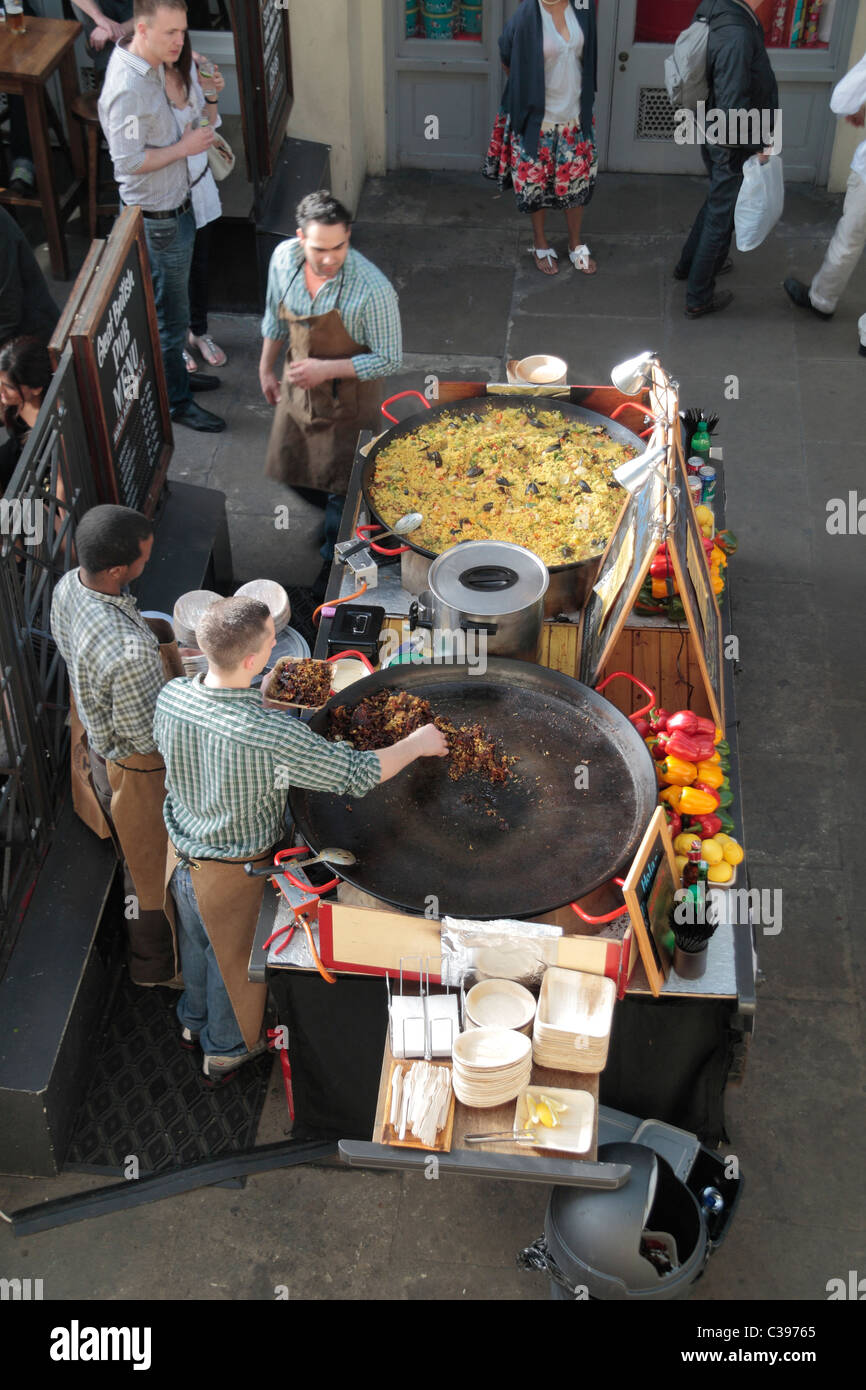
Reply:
x=50 y=490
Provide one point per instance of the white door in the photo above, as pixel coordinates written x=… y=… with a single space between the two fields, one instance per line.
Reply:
x=641 y=117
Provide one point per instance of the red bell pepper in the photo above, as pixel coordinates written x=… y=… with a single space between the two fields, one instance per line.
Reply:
x=705 y=826
x=695 y=748
x=641 y=725
x=675 y=821
x=657 y=749
x=691 y=723
x=658 y=720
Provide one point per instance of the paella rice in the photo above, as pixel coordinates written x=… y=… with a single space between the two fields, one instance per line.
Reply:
x=538 y=479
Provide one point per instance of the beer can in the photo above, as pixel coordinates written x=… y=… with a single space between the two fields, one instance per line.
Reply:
x=707 y=476
x=696 y=488
x=694 y=465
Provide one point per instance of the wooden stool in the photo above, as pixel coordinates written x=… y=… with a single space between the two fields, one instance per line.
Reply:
x=85 y=109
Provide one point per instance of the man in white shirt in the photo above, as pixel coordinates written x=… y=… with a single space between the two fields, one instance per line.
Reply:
x=150 y=167
x=849 y=238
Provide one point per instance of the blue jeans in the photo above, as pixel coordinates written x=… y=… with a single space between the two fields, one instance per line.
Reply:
x=709 y=241
x=204 y=1006
x=170 y=241
x=333 y=517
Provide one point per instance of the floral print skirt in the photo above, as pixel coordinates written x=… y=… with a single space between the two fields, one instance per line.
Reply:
x=562 y=175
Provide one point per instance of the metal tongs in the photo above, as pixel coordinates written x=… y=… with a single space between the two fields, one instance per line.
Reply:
x=504 y=1136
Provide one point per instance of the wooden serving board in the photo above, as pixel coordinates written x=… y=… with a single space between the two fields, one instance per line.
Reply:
x=389 y=1133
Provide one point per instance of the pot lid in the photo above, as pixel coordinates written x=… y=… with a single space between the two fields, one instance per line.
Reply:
x=488 y=577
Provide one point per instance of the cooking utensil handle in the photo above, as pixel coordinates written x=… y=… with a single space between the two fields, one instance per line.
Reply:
x=296 y=882
x=379 y=549
x=415 y=619
x=489 y=578
x=399 y=396
x=353 y=549
x=351 y=652
x=467 y=625
x=256 y=871
x=608 y=916
x=629 y=677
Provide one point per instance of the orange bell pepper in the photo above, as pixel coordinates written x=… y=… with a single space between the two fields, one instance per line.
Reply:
x=693 y=802
x=711 y=773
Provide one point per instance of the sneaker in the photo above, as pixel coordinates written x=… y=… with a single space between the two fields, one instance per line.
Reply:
x=23 y=178
x=798 y=293
x=218 y=1069
x=188 y=1039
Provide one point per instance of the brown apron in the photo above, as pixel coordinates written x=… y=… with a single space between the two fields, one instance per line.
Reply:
x=229 y=902
x=315 y=433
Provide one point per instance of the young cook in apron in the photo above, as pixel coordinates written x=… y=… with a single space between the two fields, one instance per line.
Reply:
x=132 y=791
x=229 y=902
x=315 y=432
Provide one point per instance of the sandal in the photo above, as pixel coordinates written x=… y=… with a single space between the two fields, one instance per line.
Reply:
x=189 y=362
x=212 y=354
x=581 y=261
x=548 y=256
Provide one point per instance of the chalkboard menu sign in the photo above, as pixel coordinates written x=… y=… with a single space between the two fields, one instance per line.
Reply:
x=264 y=64
x=650 y=894
x=686 y=549
x=623 y=569
x=116 y=345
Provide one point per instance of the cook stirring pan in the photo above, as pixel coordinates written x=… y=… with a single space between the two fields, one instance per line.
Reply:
x=472 y=849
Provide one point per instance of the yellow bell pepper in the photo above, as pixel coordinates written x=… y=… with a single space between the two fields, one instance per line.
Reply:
x=710 y=773
x=677 y=772
x=672 y=795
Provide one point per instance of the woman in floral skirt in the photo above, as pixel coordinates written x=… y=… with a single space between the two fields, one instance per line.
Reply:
x=543 y=141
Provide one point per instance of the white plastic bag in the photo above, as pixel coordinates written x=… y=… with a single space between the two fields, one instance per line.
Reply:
x=761 y=200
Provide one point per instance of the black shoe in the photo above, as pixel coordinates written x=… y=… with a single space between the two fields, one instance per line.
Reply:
x=724 y=269
x=195 y=418
x=798 y=293
x=718 y=301
x=199 y=382
x=862 y=349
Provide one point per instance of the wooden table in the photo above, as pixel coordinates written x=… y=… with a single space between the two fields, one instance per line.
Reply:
x=27 y=62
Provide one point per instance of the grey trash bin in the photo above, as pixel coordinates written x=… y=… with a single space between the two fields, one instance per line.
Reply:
x=646 y=1241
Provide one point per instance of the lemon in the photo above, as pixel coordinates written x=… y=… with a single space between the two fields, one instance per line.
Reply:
x=546 y=1116
x=532 y=1116
x=704 y=516
x=711 y=852
x=720 y=873
x=681 y=862
x=685 y=842
x=733 y=852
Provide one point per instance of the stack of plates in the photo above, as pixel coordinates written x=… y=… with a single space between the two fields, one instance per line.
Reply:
x=269 y=592
x=188 y=613
x=573 y=1021
x=490 y=1066
x=500 y=1004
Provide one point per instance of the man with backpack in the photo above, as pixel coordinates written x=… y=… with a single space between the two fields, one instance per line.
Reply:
x=739 y=78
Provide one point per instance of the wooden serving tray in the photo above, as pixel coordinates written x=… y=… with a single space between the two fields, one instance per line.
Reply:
x=388 y=1134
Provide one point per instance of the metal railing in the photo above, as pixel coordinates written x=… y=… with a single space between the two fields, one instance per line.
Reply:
x=48 y=494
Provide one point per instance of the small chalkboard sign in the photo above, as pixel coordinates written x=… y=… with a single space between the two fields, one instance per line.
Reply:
x=692 y=572
x=649 y=891
x=115 y=341
x=264 y=63
x=623 y=569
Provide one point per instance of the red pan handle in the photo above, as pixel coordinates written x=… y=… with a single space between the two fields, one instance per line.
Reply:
x=379 y=549
x=360 y=655
x=399 y=396
x=629 y=677
x=296 y=882
x=608 y=917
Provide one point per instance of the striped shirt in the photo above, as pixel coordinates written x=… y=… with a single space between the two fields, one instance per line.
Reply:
x=365 y=298
x=137 y=116
x=229 y=763
x=114 y=666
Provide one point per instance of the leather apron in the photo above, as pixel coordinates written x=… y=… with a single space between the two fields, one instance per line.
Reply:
x=315 y=433
x=137 y=795
x=229 y=902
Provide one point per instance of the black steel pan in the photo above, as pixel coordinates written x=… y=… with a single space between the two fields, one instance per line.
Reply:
x=426 y=843
x=482 y=405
